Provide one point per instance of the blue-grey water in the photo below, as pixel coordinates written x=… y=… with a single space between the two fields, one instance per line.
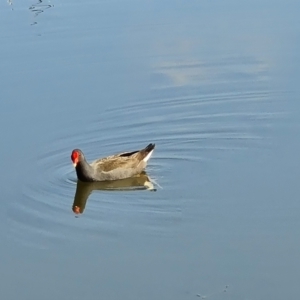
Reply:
x=215 y=85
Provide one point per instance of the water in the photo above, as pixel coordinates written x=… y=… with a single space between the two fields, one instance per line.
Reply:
x=214 y=85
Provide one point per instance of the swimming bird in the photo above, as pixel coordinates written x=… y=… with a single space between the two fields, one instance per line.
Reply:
x=114 y=167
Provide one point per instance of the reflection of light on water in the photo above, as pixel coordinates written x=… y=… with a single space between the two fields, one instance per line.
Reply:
x=38 y=8
x=195 y=73
x=10 y=3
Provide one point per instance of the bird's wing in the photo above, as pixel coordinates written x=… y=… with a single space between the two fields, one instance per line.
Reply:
x=113 y=162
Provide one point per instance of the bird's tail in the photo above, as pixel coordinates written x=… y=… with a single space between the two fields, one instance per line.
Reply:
x=147 y=152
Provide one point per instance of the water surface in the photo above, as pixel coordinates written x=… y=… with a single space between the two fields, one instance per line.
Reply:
x=214 y=85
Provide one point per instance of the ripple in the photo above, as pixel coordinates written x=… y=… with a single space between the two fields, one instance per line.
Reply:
x=185 y=129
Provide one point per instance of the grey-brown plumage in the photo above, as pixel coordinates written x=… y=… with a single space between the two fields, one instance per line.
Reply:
x=114 y=167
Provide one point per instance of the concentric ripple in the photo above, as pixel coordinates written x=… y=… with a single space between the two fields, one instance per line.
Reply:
x=185 y=129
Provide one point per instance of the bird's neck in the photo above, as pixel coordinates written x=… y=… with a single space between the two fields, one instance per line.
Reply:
x=84 y=171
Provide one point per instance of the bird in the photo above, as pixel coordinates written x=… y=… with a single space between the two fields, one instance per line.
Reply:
x=114 y=167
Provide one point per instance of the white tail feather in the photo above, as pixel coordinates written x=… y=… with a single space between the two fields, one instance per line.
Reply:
x=148 y=156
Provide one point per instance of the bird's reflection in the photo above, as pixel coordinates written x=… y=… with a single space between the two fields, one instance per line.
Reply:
x=84 y=189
